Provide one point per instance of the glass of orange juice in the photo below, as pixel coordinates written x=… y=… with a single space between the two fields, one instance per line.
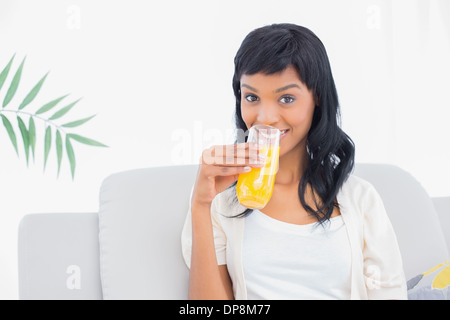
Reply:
x=255 y=188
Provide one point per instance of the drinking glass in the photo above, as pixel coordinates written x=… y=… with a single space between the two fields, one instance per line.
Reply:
x=254 y=188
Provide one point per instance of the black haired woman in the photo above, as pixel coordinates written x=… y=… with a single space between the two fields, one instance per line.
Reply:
x=283 y=78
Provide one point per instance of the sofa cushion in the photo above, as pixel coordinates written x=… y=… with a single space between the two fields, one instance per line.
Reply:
x=141 y=216
x=433 y=284
x=58 y=256
x=413 y=216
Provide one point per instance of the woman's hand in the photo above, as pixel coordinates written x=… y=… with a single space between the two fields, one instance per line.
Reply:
x=220 y=166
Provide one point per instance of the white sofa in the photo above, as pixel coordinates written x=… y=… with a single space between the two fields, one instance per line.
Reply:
x=131 y=248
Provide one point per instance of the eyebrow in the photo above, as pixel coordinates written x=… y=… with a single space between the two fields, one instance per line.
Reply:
x=276 y=91
x=288 y=87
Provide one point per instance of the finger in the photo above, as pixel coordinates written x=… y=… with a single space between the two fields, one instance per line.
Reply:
x=235 y=160
x=210 y=155
x=234 y=148
x=234 y=154
x=241 y=161
x=229 y=171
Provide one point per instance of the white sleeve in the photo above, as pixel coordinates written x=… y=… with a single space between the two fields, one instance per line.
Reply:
x=220 y=240
x=383 y=268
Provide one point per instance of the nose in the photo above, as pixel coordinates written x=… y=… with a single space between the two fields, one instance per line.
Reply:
x=268 y=114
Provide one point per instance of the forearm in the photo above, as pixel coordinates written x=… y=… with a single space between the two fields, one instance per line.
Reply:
x=207 y=280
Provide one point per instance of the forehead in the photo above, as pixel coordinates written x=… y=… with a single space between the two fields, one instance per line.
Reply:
x=270 y=81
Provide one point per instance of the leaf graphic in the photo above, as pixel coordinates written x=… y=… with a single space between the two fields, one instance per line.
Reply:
x=77 y=123
x=5 y=72
x=10 y=130
x=47 y=143
x=50 y=105
x=13 y=86
x=59 y=148
x=32 y=135
x=28 y=131
x=85 y=140
x=63 y=111
x=30 y=96
x=25 y=137
x=70 y=155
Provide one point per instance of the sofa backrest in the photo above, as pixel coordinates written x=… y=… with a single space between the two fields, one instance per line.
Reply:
x=442 y=206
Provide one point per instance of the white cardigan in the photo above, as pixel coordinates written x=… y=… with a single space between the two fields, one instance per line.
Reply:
x=377 y=270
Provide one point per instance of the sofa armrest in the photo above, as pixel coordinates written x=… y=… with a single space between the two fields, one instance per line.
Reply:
x=442 y=206
x=58 y=256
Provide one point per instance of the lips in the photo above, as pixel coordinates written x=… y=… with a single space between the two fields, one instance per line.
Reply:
x=283 y=133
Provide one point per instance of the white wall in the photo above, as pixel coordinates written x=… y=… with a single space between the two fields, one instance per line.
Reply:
x=158 y=75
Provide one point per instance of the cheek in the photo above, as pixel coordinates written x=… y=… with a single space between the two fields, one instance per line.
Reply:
x=248 y=116
x=302 y=117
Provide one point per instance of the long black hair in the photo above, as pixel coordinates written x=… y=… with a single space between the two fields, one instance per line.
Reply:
x=273 y=48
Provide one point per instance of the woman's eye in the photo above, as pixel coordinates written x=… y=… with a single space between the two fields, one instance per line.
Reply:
x=287 y=99
x=251 y=98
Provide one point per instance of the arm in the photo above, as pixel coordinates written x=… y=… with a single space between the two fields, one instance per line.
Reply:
x=207 y=279
x=204 y=241
x=383 y=268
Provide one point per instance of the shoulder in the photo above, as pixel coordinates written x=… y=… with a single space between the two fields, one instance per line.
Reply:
x=357 y=191
x=355 y=185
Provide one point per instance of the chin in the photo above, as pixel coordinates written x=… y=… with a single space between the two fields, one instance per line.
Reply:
x=288 y=147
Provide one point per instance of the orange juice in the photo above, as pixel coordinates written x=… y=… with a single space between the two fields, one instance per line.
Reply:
x=255 y=188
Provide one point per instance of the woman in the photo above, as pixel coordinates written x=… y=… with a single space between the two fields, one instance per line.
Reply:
x=283 y=79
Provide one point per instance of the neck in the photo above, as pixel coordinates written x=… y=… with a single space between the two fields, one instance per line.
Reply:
x=292 y=165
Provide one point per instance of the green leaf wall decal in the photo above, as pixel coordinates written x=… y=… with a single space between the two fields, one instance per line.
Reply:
x=77 y=123
x=25 y=137
x=32 y=135
x=85 y=140
x=5 y=72
x=50 y=105
x=32 y=93
x=63 y=111
x=53 y=130
x=59 y=149
x=10 y=130
x=47 y=144
x=70 y=155
x=14 y=85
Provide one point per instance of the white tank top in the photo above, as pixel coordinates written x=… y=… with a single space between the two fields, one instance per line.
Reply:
x=288 y=261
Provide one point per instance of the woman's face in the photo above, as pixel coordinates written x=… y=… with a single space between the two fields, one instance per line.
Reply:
x=280 y=100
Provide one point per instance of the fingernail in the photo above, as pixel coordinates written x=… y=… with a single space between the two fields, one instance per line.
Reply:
x=257 y=161
x=262 y=156
x=247 y=169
